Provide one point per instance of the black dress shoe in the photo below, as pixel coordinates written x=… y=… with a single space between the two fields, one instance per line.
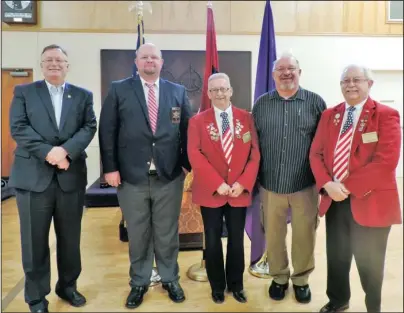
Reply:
x=330 y=307
x=40 y=311
x=74 y=298
x=240 y=296
x=302 y=293
x=135 y=297
x=277 y=291
x=175 y=291
x=218 y=297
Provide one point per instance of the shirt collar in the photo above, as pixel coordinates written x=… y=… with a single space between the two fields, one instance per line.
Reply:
x=218 y=111
x=156 y=83
x=358 y=106
x=50 y=85
x=298 y=95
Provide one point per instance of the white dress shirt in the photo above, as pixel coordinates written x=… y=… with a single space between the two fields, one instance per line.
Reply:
x=219 y=120
x=56 y=94
x=146 y=94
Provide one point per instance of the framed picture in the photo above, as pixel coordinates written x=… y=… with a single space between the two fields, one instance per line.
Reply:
x=19 y=12
x=394 y=11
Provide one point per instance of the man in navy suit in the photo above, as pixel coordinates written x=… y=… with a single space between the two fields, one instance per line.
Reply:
x=52 y=123
x=143 y=141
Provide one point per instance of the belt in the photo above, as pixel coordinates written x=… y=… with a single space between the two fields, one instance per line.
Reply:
x=153 y=173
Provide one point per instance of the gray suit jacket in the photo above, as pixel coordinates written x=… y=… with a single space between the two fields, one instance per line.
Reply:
x=127 y=142
x=33 y=127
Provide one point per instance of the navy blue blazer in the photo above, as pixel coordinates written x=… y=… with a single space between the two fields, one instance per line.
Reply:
x=127 y=143
x=33 y=127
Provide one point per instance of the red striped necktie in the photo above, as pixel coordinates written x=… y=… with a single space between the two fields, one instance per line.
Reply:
x=152 y=105
x=343 y=148
x=227 y=138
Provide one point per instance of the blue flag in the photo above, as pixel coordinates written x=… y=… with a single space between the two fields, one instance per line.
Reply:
x=263 y=83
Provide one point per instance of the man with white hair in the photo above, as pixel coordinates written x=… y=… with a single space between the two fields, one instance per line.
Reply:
x=354 y=155
x=286 y=120
x=224 y=154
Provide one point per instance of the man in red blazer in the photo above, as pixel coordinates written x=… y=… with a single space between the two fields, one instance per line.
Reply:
x=354 y=155
x=224 y=155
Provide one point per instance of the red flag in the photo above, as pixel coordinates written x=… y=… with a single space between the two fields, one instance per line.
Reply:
x=212 y=59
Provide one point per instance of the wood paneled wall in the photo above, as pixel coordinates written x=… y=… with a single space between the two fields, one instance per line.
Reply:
x=231 y=17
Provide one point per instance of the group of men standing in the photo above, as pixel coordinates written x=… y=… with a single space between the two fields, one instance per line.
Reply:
x=338 y=162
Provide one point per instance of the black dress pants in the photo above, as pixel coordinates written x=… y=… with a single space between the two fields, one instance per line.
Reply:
x=346 y=238
x=232 y=275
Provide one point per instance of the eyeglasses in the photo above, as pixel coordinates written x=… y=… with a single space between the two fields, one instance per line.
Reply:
x=58 y=61
x=355 y=81
x=221 y=89
x=282 y=69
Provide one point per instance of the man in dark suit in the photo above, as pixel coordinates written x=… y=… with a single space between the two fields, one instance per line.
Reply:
x=52 y=123
x=354 y=155
x=143 y=142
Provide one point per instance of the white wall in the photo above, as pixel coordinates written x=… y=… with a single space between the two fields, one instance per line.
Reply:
x=321 y=58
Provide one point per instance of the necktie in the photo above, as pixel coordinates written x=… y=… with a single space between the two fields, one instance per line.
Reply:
x=152 y=105
x=227 y=138
x=342 y=152
x=56 y=93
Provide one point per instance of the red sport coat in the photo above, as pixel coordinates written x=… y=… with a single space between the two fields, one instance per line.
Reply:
x=209 y=165
x=372 y=179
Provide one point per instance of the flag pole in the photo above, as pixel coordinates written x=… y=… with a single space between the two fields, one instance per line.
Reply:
x=197 y=271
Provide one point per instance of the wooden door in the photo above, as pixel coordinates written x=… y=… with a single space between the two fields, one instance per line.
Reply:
x=9 y=79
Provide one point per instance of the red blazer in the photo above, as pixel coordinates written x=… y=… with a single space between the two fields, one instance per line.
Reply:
x=209 y=165
x=372 y=179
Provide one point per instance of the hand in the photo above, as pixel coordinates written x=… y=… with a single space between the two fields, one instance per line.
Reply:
x=236 y=190
x=113 y=178
x=64 y=164
x=336 y=191
x=224 y=189
x=346 y=191
x=56 y=155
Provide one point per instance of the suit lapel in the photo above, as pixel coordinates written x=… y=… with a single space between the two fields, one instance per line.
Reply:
x=237 y=135
x=163 y=105
x=66 y=105
x=211 y=126
x=366 y=116
x=43 y=93
x=138 y=90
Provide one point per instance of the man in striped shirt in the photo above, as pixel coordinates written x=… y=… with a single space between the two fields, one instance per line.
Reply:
x=286 y=120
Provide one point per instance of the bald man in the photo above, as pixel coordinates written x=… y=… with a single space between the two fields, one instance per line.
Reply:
x=143 y=143
x=354 y=155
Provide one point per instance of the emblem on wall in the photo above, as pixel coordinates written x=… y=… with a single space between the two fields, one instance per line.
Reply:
x=19 y=12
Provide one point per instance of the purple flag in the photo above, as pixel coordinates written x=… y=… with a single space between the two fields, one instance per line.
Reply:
x=263 y=84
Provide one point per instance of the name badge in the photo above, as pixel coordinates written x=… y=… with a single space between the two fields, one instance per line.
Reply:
x=246 y=137
x=175 y=115
x=369 y=137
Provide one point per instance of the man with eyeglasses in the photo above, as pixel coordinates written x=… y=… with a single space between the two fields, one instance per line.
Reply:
x=354 y=155
x=224 y=154
x=286 y=119
x=143 y=145
x=52 y=122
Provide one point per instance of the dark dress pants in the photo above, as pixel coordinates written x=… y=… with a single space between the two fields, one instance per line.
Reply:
x=232 y=275
x=36 y=210
x=346 y=238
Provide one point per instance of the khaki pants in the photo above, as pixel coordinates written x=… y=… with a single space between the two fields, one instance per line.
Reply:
x=304 y=205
